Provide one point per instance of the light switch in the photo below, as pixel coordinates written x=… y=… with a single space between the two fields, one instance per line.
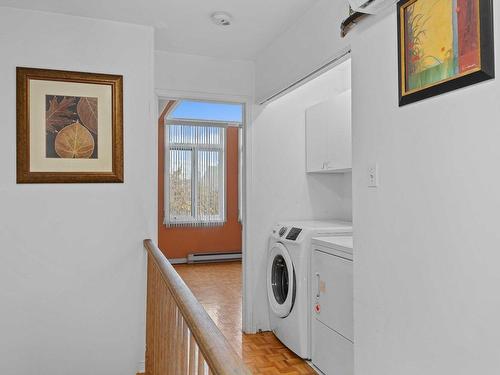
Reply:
x=373 y=175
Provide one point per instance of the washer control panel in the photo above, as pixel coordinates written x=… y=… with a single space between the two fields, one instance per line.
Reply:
x=293 y=234
x=282 y=231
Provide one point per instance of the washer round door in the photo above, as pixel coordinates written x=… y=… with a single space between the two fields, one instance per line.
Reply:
x=280 y=281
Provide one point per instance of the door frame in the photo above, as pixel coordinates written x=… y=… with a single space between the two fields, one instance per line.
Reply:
x=248 y=325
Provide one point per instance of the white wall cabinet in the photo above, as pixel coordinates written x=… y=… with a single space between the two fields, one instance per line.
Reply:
x=328 y=136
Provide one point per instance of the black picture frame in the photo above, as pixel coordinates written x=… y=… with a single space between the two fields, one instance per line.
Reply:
x=487 y=53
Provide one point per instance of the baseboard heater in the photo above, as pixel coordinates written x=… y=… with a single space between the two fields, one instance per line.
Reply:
x=214 y=257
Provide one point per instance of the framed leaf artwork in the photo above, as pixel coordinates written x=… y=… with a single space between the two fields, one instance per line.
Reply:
x=443 y=45
x=69 y=127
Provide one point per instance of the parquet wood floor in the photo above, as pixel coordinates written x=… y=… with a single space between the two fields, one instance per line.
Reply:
x=218 y=288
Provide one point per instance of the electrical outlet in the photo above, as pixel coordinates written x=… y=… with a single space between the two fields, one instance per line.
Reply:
x=373 y=175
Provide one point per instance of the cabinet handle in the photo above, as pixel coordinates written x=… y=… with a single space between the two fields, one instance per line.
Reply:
x=318 y=279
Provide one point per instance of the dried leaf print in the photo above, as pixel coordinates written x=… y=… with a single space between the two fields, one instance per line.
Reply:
x=59 y=114
x=74 y=142
x=87 y=111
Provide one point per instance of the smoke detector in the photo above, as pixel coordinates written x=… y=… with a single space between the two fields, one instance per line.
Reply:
x=222 y=18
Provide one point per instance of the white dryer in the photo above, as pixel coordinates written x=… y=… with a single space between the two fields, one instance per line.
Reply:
x=288 y=279
x=332 y=290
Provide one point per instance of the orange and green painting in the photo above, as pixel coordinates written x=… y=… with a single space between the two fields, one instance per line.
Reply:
x=441 y=41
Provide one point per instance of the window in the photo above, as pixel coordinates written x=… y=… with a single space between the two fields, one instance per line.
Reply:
x=208 y=111
x=196 y=173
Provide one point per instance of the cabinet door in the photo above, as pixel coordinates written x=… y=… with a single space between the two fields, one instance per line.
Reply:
x=339 y=143
x=317 y=118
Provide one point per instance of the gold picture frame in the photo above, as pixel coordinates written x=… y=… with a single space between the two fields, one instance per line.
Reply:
x=69 y=127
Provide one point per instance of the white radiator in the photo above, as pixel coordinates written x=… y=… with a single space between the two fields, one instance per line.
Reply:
x=213 y=257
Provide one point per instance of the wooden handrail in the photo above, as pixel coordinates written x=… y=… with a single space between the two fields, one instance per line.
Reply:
x=220 y=357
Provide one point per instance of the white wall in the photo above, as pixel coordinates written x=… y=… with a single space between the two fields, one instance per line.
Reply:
x=279 y=187
x=72 y=267
x=426 y=241
x=190 y=74
x=304 y=47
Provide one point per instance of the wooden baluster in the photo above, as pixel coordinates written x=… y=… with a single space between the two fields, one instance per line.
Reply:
x=192 y=354
x=157 y=337
x=149 y=333
x=182 y=346
x=170 y=349
x=185 y=347
x=162 y=324
x=201 y=363
x=159 y=328
x=154 y=313
x=175 y=341
x=178 y=343
x=157 y=341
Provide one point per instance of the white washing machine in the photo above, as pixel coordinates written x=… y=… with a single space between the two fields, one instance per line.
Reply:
x=288 y=279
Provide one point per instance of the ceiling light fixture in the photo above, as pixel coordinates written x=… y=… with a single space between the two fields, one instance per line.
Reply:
x=221 y=18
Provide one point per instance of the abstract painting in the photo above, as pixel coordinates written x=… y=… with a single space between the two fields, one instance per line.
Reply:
x=443 y=45
x=69 y=127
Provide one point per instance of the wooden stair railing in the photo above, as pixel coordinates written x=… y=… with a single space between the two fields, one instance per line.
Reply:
x=181 y=338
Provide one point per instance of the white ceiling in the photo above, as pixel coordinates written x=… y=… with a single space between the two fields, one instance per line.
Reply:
x=185 y=25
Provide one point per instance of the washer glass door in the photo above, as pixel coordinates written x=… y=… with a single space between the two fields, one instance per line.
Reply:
x=280 y=281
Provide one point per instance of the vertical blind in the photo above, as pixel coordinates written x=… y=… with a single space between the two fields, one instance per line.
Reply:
x=195 y=160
